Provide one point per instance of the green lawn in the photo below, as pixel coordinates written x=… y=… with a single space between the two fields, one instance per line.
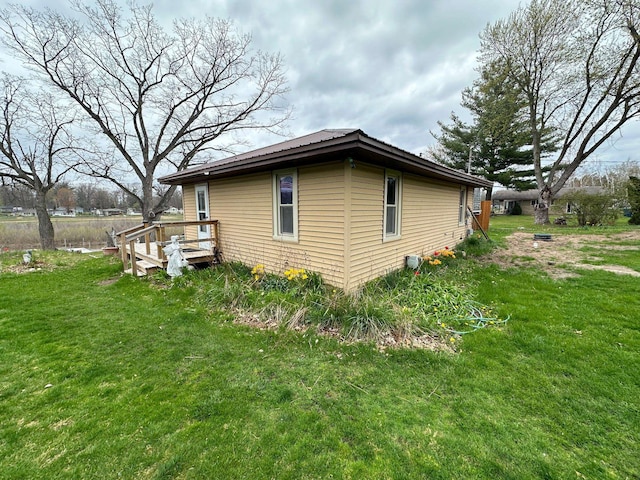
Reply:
x=103 y=376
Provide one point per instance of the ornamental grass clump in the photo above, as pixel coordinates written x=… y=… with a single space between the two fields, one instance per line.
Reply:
x=367 y=319
x=398 y=308
x=435 y=305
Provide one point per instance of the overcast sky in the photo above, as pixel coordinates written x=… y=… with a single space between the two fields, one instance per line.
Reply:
x=392 y=68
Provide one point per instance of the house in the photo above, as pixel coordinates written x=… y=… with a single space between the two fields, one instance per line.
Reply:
x=503 y=201
x=336 y=202
x=62 y=212
x=173 y=211
x=109 y=212
x=25 y=212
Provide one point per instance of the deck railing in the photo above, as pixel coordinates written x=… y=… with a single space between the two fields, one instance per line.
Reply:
x=153 y=235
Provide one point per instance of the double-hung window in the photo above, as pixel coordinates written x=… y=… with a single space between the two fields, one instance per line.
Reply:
x=462 y=207
x=392 y=204
x=285 y=205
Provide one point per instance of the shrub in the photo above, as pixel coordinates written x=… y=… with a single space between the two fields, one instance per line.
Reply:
x=593 y=209
x=633 y=192
x=516 y=210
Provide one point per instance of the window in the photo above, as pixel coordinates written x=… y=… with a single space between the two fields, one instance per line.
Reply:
x=462 y=206
x=201 y=206
x=285 y=208
x=392 y=196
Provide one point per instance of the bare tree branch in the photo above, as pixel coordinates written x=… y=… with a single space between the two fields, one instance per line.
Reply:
x=578 y=63
x=36 y=145
x=158 y=98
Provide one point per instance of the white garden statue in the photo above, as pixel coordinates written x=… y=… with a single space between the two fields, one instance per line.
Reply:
x=173 y=251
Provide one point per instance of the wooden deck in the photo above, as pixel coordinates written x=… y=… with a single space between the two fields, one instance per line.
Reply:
x=141 y=247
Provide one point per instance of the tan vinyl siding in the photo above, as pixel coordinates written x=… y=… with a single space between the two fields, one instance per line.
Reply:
x=340 y=221
x=429 y=221
x=367 y=195
x=189 y=206
x=243 y=206
x=321 y=219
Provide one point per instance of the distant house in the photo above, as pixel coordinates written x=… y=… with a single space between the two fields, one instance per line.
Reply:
x=109 y=212
x=173 y=211
x=62 y=212
x=27 y=212
x=503 y=201
x=336 y=202
x=17 y=211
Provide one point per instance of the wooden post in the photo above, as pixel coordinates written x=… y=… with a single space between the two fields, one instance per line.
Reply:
x=160 y=238
x=485 y=215
x=147 y=240
x=216 y=236
x=134 y=266
x=476 y=222
x=123 y=246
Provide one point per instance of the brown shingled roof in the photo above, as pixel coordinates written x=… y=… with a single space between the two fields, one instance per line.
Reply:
x=318 y=147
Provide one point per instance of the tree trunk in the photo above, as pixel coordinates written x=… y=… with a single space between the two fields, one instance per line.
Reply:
x=541 y=210
x=541 y=216
x=45 y=227
x=148 y=213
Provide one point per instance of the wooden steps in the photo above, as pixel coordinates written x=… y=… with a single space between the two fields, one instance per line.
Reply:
x=147 y=263
x=144 y=268
x=142 y=246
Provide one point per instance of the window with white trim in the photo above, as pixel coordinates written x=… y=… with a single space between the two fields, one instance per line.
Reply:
x=392 y=204
x=462 y=207
x=285 y=205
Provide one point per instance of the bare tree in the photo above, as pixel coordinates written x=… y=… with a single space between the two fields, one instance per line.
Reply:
x=158 y=99
x=65 y=198
x=35 y=146
x=15 y=194
x=576 y=61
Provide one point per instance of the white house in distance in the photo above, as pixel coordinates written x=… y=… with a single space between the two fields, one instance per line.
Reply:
x=336 y=202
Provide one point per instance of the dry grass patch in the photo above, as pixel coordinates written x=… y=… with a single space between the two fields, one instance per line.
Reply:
x=397 y=337
x=564 y=253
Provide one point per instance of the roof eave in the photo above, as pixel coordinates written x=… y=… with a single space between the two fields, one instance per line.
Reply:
x=408 y=161
x=354 y=142
x=300 y=155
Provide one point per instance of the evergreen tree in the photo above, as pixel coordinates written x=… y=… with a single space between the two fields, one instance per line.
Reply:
x=633 y=189
x=576 y=63
x=496 y=145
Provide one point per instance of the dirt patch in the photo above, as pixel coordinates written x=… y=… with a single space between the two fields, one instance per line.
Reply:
x=27 y=267
x=108 y=281
x=564 y=253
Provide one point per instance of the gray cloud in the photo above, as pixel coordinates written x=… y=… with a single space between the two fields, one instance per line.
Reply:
x=391 y=68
